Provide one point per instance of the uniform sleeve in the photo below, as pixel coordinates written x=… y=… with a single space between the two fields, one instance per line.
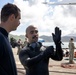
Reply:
x=58 y=55
x=73 y=46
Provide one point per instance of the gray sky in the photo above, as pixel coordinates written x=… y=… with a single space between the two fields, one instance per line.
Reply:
x=46 y=17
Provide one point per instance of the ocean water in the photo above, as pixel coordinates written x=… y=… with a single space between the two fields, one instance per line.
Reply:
x=52 y=44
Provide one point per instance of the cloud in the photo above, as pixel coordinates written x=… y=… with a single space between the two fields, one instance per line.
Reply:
x=70 y=10
x=67 y=0
x=46 y=17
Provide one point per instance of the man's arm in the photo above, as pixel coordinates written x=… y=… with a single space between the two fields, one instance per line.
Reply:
x=29 y=62
x=58 y=55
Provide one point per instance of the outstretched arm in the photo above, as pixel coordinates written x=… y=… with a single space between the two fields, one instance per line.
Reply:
x=57 y=40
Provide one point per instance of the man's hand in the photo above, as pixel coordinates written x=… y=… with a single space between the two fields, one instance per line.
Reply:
x=57 y=36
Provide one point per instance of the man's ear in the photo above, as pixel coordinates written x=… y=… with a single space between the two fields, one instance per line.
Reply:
x=12 y=17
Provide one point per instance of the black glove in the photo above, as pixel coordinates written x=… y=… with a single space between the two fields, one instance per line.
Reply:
x=57 y=36
x=49 y=51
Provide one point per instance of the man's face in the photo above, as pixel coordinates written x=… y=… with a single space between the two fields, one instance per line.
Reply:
x=32 y=34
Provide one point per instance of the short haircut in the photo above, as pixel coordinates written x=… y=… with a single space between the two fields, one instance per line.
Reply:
x=8 y=10
x=71 y=39
x=30 y=26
